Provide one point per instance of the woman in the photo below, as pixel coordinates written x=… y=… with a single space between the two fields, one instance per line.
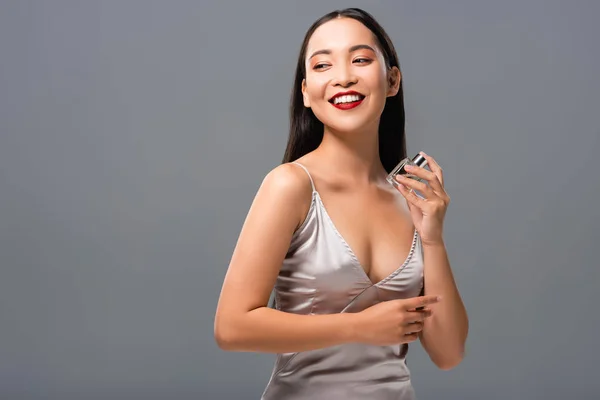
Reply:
x=359 y=267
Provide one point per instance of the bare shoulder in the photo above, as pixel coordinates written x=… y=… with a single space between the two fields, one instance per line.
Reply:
x=289 y=179
x=288 y=186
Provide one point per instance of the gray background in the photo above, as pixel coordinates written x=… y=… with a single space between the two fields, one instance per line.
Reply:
x=134 y=134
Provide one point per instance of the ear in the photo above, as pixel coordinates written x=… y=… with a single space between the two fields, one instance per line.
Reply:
x=304 y=94
x=394 y=78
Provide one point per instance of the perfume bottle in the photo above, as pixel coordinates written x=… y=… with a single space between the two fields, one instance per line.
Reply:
x=417 y=160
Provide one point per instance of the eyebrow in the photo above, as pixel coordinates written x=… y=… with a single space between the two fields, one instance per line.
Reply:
x=350 y=50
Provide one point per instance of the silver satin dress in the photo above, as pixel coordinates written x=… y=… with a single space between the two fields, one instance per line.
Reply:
x=321 y=275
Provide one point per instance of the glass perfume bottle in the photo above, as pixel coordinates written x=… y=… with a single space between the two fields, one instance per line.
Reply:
x=417 y=160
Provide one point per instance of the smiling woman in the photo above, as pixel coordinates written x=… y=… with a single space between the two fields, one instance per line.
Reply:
x=358 y=266
x=319 y=64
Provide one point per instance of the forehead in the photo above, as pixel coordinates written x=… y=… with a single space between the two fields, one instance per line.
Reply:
x=339 y=34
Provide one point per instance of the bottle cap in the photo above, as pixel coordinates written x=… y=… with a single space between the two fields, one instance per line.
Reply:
x=419 y=160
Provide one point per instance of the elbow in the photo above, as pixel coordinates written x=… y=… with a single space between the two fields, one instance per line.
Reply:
x=225 y=336
x=450 y=361
x=224 y=342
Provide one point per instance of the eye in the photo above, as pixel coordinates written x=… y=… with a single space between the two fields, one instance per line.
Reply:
x=362 y=60
x=319 y=66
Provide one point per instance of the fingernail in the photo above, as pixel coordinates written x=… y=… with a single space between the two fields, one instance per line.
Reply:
x=423 y=153
x=408 y=166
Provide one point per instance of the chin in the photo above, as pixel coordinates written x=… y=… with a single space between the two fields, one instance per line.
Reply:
x=351 y=122
x=346 y=128
x=349 y=125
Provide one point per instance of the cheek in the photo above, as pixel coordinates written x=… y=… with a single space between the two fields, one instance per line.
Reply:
x=316 y=90
x=378 y=84
x=379 y=90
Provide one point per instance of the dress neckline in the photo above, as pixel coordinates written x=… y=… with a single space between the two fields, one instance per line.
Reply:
x=357 y=263
x=352 y=254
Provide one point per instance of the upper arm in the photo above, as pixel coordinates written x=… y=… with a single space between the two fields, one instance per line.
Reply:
x=275 y=213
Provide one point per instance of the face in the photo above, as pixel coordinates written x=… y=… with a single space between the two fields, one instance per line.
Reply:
x=343 y=56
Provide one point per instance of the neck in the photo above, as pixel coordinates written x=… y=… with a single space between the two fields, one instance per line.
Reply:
x=354 y=155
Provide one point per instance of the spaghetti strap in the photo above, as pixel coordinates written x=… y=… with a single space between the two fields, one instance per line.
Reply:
x=308 y=173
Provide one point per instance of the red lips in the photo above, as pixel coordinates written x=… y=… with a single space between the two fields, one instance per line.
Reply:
x=344 y=94
x=347 y=106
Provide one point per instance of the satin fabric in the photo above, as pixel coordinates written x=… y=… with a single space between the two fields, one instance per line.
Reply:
x=321 y=275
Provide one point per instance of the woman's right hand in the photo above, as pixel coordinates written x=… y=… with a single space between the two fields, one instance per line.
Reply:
x=394 y=321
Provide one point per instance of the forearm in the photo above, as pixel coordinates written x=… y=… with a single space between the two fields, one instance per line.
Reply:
x=273 y=331
x=445 y=333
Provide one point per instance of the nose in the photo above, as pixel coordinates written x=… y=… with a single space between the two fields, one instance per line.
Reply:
x=344 y=76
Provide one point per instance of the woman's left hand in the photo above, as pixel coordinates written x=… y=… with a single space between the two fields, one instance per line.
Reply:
x=427 y=213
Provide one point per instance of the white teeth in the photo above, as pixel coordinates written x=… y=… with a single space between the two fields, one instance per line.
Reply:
x=346 y=99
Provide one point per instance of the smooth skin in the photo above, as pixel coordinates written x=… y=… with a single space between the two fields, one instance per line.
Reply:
x=373 y=219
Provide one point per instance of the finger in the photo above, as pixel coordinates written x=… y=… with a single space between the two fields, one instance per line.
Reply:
x=431 y=177
x=416 y=185
x=435 y=167
x=421 y=309
x=413 y=327
x=418 y=316
x=410 y=196
x=421 y=301
x=411 y=337
x=421 y=172
x=422 y=312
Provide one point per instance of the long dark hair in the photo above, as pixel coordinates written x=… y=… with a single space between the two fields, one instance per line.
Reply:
x=306 y=131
